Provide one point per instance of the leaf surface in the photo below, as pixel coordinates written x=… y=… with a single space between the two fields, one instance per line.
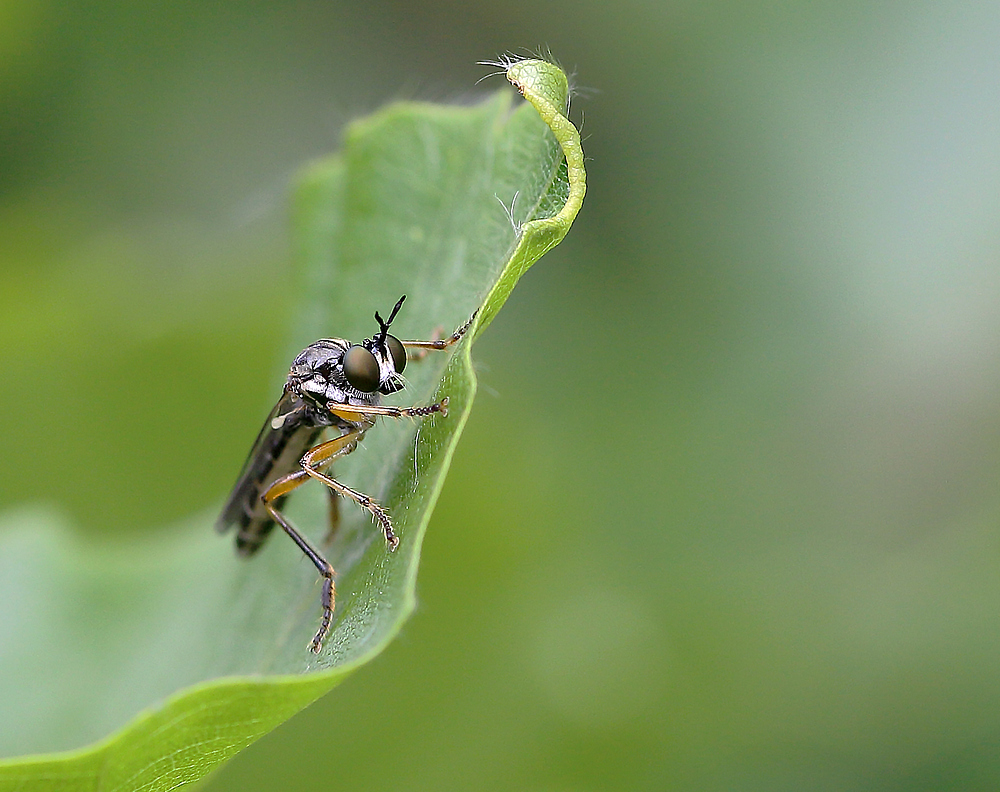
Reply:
x=178 y=650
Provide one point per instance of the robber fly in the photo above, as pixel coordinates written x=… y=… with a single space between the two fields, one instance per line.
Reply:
x=332 y=385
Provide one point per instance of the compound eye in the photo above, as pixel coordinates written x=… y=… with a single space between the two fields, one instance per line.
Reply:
x=397 y=351
x=361 y=369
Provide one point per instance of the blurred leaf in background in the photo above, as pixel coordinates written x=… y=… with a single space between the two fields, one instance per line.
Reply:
x=730 y=519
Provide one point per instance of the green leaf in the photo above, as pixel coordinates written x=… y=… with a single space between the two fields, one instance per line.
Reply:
x=184 y=653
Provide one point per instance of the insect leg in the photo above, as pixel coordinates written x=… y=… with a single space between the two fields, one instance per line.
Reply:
x=358 y=412
x=422 y=347
x=334 y=516
x=319 y=457
x=327 y=452
x=283 y=486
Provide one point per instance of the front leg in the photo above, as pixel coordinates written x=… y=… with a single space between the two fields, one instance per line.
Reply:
x=421 y=348
x=359 y=412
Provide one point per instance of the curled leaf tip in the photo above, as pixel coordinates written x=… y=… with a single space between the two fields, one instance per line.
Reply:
x=546 y=86
x=540 y=79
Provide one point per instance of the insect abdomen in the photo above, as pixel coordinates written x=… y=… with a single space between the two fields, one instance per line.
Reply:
x=277 y=455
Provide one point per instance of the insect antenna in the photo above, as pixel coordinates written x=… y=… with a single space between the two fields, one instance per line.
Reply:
x=380 y=339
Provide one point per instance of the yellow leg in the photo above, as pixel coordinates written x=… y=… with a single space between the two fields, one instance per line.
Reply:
x=353 y=412
x=320 y=457
x=283 y=486
x=422 y=347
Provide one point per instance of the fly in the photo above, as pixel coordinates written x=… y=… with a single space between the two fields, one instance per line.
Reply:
x=332 y=385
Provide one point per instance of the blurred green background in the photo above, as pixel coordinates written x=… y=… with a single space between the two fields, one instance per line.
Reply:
x=726 y=513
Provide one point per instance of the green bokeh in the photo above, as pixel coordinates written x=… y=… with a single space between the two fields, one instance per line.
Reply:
x=726 y=512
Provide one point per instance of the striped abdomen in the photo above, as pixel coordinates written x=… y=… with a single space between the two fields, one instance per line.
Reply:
x=276 y=453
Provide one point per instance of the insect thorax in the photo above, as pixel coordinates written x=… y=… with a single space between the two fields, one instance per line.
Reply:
x=316 y=377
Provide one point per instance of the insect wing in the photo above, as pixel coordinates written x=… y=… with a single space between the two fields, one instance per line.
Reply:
x=260 y=464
